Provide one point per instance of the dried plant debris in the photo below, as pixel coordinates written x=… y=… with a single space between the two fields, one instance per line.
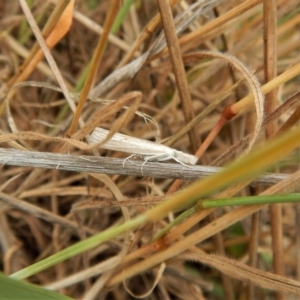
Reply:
x=93 y=221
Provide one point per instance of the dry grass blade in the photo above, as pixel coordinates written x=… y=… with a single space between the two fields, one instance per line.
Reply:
x=145 y=34
x=270 y=66
x=56 y=27
x=238 y=270
x=130 y=100
x=255 y=88
x=189 y=40
x=112 y=11
x=41 y=213
x=46 y=50
x=177 y=63
x=292 y=102
x=130 y=69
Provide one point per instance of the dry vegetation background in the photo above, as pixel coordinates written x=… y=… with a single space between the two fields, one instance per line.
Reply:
x=53 y=199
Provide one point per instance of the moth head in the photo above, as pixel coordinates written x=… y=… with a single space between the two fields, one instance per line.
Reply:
x=185 y=158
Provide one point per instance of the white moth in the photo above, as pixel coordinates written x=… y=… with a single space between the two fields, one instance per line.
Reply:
x=150 y=151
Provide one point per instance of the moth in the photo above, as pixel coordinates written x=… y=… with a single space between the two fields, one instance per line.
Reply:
x=150 y=151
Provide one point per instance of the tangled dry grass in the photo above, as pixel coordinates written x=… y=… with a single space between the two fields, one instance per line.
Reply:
x=224 y=84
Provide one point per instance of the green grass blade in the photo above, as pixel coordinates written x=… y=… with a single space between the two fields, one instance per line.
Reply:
x=11 y=289
x=283 y=198
x=78 y=248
